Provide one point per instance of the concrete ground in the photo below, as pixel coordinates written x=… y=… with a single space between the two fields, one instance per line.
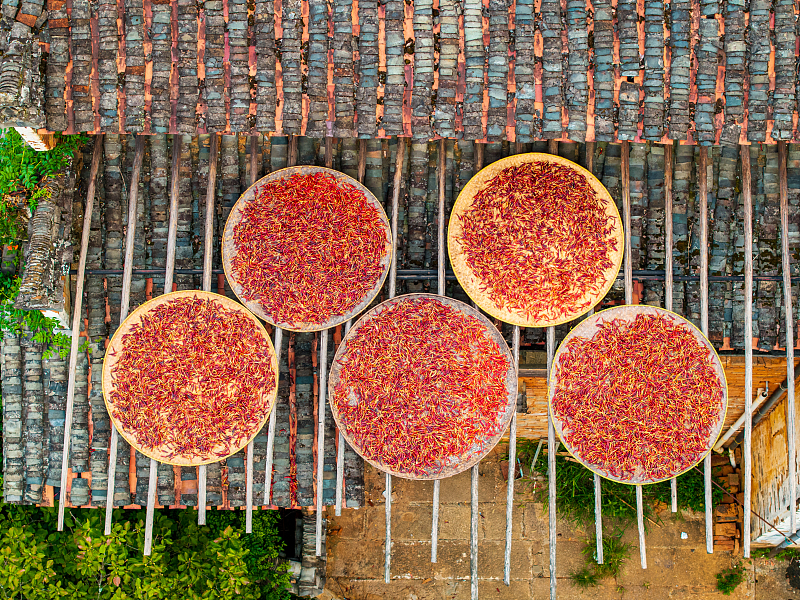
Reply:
x=677 y=568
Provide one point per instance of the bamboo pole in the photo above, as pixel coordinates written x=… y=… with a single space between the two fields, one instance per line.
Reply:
x=626 y=207
x=272 y=421
x=323 y=375
x=512 y=467
x=208 y=251
x=703 y=193
x=789 y=320
x=362 y=159
x=323 y=368
x=551 y=468
x=340 y=454
x=169 y=274
x=398 y=179
x=248 y=523
x=127 y=275
x=640 y=526
x=473 y=533
x=362 y=167
x=291 y=158
x=598 y=518
x=552 y=148
x=77 y=323
x=668 y=149
x=748 y=344
x=598 y=488
x=440 y=289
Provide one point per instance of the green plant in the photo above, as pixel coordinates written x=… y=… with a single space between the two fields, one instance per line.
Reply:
x=615 y=553
x=729 y=579
x=187 y=561
x=585 y=578
x=575 y=490
x=23 y=172
x=783 y=554
x=42 y=328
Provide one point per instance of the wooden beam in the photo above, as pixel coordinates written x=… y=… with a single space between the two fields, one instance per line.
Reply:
x=77 y=324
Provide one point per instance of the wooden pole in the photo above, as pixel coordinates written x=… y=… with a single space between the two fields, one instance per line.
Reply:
x=323 y=375
x=362 y=160
x=640 y=526
x=169 y=274
x=748 y=344
x=668 y=149
x=626 y=209
x=598 y=488
x=208 y=252
x=552 y=447
x=248 y=489
x=552 y=147
x=127 y=275
x=512 y=467
x=398 y=179
x=340 y=454
x=473 y=533
x=703 y=193
x=789 y=320
x=271 y=429
x=77 y=323
x=440 y=289
x=323 y=372
x=292 y=151
x=626 y=206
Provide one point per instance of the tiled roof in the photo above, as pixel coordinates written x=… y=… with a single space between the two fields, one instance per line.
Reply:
x=34 y=390
x=705 y=71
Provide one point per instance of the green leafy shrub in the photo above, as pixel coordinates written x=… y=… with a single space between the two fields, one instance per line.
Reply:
x=23 y=172
x=729 y=579
x=188 y=561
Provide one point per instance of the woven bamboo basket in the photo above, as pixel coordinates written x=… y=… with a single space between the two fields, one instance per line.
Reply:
x=587 y=328
x=229 y=249
x=476 y=288
x=480 y=448
x=113 y=353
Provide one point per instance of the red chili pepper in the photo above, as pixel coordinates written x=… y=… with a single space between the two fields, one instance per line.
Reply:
x=638 y=401
x=420 y=385
x=556 y=241
x=193 y=376
x=308 y=248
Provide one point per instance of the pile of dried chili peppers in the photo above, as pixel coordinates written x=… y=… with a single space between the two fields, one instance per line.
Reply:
x=421 y=386
x=308 y=248
x=639 y=400
x=193 y=379
x=538 y=238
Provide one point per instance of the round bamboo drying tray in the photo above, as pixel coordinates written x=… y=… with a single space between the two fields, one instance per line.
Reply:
x=587 y=328
x=478 y=450
x=475 y=287
x=114 y=347
x=229 y=249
